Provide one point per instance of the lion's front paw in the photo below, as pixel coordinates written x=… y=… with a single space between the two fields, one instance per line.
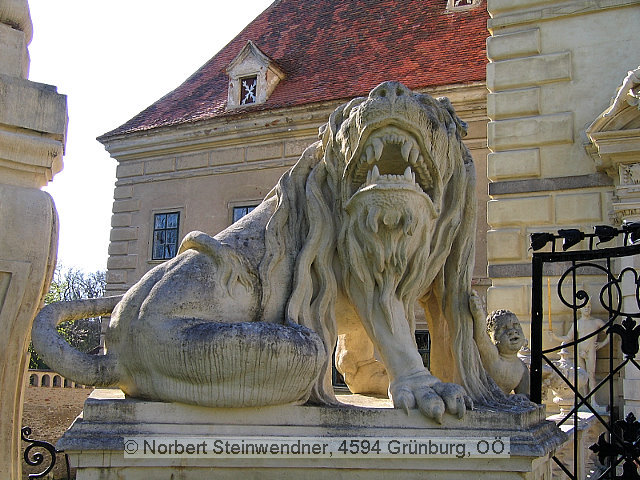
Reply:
x=431 y=396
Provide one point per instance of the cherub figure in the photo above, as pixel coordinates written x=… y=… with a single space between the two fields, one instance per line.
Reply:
x=586 y=348
x=499 y=338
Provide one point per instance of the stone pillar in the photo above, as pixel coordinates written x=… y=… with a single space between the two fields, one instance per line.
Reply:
x=33 y=123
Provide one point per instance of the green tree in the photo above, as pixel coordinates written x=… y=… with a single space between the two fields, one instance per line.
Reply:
x=73 y=284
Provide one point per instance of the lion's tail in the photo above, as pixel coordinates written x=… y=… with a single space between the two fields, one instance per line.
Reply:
x=97 y=370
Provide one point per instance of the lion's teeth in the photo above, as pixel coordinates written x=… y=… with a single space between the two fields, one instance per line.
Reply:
x=368 y=178
x=378 y=146
x=408 y=174
x=375 y=173
x=370 y=154
x=413 y=156
x=405 y=150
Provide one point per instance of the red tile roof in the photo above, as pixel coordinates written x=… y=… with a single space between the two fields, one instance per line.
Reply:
x=335 y=49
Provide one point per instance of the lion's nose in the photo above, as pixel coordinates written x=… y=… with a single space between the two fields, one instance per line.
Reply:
x=392 y=91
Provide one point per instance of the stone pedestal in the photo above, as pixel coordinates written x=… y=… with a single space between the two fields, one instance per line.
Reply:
x=95 y=442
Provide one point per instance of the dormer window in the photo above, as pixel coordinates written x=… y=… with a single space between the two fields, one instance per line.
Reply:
x=252 y=77
x=461 y=5
x=248 y=90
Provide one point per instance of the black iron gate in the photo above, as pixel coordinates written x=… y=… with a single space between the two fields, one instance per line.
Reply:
x=620 y=444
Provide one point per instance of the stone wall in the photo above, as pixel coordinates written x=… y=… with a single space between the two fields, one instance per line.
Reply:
x=553 y=68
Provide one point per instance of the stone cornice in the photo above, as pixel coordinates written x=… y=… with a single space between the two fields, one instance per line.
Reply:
x=552 y=12
x=298 y=122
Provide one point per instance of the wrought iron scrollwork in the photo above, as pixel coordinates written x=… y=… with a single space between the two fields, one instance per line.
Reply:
x=34 y=458
x=619 y=296
x=629 y=333
x=624 y=448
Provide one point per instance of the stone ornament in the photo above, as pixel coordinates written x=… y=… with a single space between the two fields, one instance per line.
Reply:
x=630 y=174
x=15 y=13
x=587 y=348
x=628 y=93
x=563 y=395
x=375 y=216
x=499 y=339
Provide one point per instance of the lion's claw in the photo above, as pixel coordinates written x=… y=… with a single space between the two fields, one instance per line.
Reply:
x=404 y=399
x=432 y=400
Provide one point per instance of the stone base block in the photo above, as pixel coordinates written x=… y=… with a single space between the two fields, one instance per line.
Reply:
x=95 y=442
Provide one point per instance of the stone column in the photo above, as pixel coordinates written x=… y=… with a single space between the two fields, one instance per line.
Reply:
x=33 y=123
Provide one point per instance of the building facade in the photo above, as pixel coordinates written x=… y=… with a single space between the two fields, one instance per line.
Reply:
x=561 y=145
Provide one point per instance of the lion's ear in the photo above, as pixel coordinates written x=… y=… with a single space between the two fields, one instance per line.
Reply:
x=321 y=130
x=461 y=125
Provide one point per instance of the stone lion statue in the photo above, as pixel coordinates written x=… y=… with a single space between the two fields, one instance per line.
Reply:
x=376 y=217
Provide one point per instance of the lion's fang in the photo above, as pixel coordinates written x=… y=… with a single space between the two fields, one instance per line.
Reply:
x=370 y=154
x=406 y=149
x=375 y=174
x=378 y=146
x=408 y=175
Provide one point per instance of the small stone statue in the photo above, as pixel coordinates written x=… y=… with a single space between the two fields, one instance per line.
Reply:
x=563 y=395
x=587 y=348
x=499 y=340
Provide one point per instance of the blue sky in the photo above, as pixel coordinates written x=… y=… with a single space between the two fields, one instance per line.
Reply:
x=112 y=59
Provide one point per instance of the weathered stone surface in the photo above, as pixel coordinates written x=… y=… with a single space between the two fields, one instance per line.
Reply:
x=27 y=259
x=512 y=297
x=227 y=156
x=261 y=152
x=501 y=6
x=129 y=169
x=159 y=165
x=517 y=44
x=120 y=206
x=187 y=162
x=579 y=208
x=521 y=72
x=118 y=248
x=531 y=131
x=117 y=276
x=505 y=244
x=122 y=192
x=15 y=13
x=514 y=164
x=126 y=233
x=15 y=56
x=389 y=195
x=122 y=261
x=520 y=211
x=120 y=219
x=33 y=106
x=512 y=103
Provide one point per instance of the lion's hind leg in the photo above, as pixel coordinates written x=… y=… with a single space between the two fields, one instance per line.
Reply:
x=228 y=364
x=356 y=361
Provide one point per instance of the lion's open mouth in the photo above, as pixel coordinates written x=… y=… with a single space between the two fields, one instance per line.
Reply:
x=392 y=158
